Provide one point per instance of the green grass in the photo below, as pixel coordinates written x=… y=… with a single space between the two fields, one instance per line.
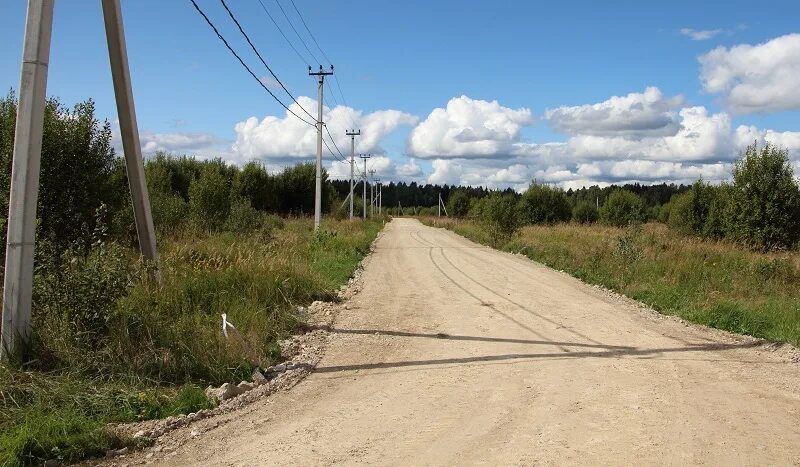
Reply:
x=111 y=347
x=718 y=284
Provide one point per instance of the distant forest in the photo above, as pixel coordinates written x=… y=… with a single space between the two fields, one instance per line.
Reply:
x=414 y=194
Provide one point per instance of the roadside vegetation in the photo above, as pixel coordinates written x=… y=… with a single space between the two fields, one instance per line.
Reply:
x=720 y=255
x=110 y=345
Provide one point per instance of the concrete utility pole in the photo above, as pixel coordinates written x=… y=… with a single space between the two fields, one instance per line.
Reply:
x=372 y=194
x=318 y=187
x=377 y=183
x=352 y=134
x=18 y=281
x=439 y=206
x=380 y=198
x=129 y=130
x=364 y=196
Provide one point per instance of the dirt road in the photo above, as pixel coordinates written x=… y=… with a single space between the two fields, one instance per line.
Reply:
x=457 y=354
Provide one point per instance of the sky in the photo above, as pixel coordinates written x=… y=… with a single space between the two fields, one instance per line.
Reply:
x=572 y=93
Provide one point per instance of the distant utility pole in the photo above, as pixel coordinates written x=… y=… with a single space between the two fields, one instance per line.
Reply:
x=364 y=197
x=375 y=205
x=26 y=164
x=321 y=74
x=439 y=206
x=400 y=208
x=372 y=194
x=380 y=198
x=352 y=134
x=442 y=206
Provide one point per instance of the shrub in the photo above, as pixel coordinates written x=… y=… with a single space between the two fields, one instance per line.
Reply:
x=458 y=204
x=585 y=213
x=499 y=213
x=209 y=199
x=543 y=204
x=622 y=208
x=764 y=209
x=254 y=184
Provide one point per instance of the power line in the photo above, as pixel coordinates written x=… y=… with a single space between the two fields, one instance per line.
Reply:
x=338 y=85
x=309 y=32
x=303 y=59
x=230 y=13
x=244 y=64
x=297 y=33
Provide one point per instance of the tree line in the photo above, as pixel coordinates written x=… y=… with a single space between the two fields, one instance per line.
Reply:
x=759 y=208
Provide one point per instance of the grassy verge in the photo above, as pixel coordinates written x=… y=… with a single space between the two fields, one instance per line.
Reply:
x=713 y=283
x=110 y=347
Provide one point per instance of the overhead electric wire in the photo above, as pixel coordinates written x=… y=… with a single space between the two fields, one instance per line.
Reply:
x=302 y=58
x=335 y=77
x=216 y=31
x=297 y=33
x=230 y=13
x=310 y=34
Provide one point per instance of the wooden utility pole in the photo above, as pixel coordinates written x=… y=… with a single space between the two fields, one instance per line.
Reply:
x=352 y=134
x=364 y=196
x=321 y=74
x=18 y=280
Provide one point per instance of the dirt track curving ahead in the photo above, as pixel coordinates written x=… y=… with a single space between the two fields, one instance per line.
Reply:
x=454 y=353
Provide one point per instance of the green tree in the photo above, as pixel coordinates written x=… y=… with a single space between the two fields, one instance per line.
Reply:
x=209 y=198
x=499 y=212
x=622 y=208
x=764 y=208
x=77 y=171
x=458 y=204
x=544 y=204
x=254 y=184
x=585 y=213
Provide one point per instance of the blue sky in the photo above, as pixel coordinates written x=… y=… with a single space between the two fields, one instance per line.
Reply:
x=399 y=61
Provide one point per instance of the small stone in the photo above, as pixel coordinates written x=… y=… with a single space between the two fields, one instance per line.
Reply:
x=148 y=455
x=140 y=434
x=279 y=368
x=195 y=434
x=259 y=377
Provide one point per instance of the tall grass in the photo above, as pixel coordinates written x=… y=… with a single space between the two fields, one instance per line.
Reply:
x=112 y=347
x=715 y=283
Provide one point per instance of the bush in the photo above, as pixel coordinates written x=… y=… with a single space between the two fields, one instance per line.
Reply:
x=764 y=209
x=209 y=199
x=499 y=213
x=458 y=204
x=543 y=204
x=585 y=213
x=622 y=208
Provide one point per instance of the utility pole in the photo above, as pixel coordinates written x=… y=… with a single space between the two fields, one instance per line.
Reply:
x=129 y=131
x=372 y=193
x=364 y=197
x=439 y=206
x=380 y=198
x=352 y=134
x=18 y=281
x=377 y=182
x=321 y=74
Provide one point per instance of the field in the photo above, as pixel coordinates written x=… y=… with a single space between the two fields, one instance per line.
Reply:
x=715 y=283
x=114 y=348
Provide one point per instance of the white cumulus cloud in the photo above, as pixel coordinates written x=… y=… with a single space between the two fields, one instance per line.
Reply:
x=636 y=115
x=468 y=128
x=755 y=78
x=288 y=137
